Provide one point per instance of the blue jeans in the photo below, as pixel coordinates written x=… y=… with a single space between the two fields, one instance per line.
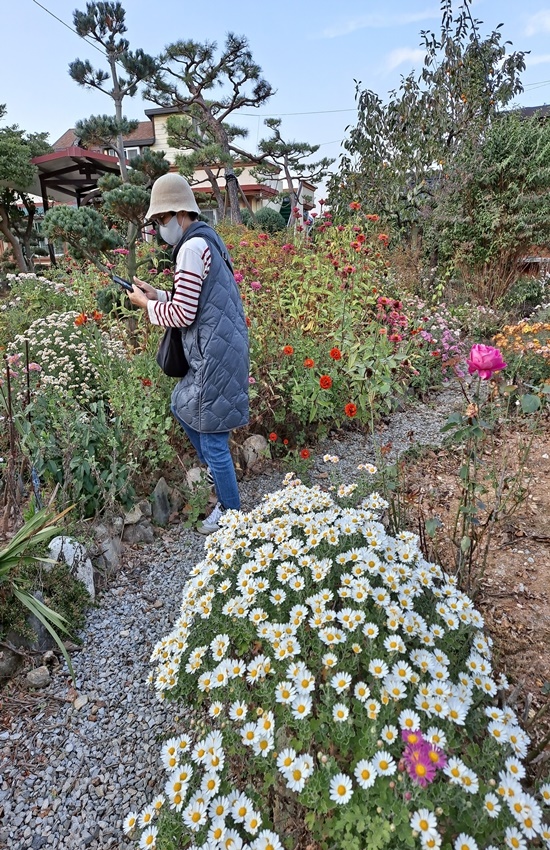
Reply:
x=213 y=450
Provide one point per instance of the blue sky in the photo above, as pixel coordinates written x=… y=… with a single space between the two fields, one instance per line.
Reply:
x=310 y=52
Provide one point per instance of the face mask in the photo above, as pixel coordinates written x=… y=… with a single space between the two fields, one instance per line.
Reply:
x=171 y=232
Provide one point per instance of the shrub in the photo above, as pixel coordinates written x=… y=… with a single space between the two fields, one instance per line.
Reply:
x=270 y=220
x=527 y=347
x=347 y=691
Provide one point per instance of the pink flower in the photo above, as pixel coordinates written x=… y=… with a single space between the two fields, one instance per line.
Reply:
x=484 y=359
x=251 y=380
x=255 y=284
x=238 y=277
x=123 y=251
x=34 y=367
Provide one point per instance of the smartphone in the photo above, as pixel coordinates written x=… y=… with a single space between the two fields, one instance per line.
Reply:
x=122 y=282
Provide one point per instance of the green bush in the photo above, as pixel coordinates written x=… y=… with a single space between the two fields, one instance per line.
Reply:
x=270 y=220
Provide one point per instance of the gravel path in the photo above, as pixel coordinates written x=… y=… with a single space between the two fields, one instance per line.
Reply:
x=68 y=777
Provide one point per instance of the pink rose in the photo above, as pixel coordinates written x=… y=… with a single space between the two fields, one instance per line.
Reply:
x=484 y=359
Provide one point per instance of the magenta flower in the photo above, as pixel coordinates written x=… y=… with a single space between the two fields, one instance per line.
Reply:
x=251 y=380
x=255 y=284
x=418 y=764
x=485 y=360
x=34 y=367
x=123 y=251
x=238 y=277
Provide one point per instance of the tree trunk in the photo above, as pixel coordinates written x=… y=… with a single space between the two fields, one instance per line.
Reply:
x=231 y=183
x=217 y=192
x=14 y=242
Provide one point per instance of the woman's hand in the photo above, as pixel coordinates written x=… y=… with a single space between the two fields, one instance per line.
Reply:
x=149 y=290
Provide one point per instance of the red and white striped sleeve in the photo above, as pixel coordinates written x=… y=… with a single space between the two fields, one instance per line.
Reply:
x=192 y=266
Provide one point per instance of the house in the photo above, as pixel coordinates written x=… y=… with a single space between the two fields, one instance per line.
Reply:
x=153 y=134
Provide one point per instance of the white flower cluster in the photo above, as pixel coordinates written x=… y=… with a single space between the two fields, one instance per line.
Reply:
x=43 y=281
x=63 y=351
x=302 y=607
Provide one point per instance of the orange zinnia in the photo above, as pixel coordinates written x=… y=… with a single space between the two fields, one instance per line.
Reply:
x=309 y=363
x=81 y=319
x=273 y=437
x=335 y=353
x=350 y=410
x=304 y=454
x=288 y=350
x=355 y=205
x=96 y=315
x=325 y=382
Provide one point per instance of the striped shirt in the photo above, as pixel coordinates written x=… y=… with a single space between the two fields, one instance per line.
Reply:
x=192 y=266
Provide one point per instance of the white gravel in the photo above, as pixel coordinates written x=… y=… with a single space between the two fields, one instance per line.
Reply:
x=68 y=777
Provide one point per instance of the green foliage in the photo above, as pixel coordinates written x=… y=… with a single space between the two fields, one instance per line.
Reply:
x=493 y=204
x=269 y=220
x=35 y=532
x=396 y=150
x=84 y=229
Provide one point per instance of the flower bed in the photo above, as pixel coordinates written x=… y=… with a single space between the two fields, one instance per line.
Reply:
x=347 y=692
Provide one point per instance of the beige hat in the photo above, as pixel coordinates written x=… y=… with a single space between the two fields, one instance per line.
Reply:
x=171 y=193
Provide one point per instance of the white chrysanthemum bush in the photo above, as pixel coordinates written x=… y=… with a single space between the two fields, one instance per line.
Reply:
x=345 y=694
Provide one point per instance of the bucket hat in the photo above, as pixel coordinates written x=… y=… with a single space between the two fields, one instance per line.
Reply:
x=171 y=193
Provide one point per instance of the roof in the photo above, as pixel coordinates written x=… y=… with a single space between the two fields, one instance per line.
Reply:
x=529 y=111
x=144 y=134
x=71 y=173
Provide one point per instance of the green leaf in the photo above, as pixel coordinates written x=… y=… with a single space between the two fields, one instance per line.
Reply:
x=530 y=403
x=465 y=544
x=431 y=526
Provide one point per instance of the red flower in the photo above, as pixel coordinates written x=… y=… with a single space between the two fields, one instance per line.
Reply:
x=81 y=319
x=304 y=454
x=325 y=382
x=309 y=363
x=372 y=217
x=350 y=410
x=248 y=322
x=355 y=205
x=384 y=238
x=96 y=315
x=285 y=442
x=288 y=350
x=273 y=437
x=335 y=353
x=146 y=382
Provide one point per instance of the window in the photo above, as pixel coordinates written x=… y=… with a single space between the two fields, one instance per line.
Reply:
x=131 y=153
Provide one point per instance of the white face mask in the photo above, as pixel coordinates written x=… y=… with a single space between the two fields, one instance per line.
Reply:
x=171 y=232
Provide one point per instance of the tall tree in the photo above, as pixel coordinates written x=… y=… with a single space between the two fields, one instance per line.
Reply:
x=189 y=71
x=293 y=158
x=17 y=172
x=105 y=24
x=397 y=150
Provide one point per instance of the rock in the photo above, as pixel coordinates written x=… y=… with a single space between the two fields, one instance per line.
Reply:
x=195 y=477
x=145 y=507
x=160 y=502
x=254 y=448
x=10 y=661
x=39 y=678
x=177 y=501
x=74 y=554
x=142 y=532
x=42 y=640
x=80 y=702
x=38 y=841
x=133 y=516
x=108 y=546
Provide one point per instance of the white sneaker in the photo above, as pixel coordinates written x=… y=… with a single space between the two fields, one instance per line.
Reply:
x=210 y=524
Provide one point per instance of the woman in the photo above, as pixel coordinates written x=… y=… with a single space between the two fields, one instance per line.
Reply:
x=212 y=399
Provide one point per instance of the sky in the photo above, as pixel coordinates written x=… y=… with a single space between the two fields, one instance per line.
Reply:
x=310 y=52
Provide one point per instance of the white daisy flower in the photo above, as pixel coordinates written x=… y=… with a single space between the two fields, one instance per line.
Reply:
x=384 y=763
x=285 y=692
x=329 y=660
x=215 y=709
x=238 y=711
x=341 y=789
x=389 y=734
x=340 y=712
x=301 y=706
x=361 y=692
x=340 y=682
x=148 y=840
x=424 y=822
x=378 y=668
x=147 y=816
x=465 y=842
x=130 y=822
x=365 y=773
x=286 y=758
x=492 y=805
x=194 y=816
x=266 y=840
x=514 y=839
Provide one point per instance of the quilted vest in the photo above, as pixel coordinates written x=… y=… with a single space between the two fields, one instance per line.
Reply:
x=213 y=396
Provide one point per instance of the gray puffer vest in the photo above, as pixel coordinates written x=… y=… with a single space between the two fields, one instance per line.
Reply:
x=213 y=396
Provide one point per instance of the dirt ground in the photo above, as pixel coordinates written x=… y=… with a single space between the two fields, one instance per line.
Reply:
x=514 y=592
